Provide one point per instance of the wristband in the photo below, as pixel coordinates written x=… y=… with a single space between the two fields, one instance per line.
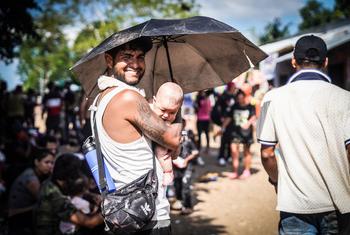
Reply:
x=272 y=182
x=168 y=171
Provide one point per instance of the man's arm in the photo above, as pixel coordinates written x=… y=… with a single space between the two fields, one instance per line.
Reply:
x=89 y=221
x=149 y=123
x=269 y=162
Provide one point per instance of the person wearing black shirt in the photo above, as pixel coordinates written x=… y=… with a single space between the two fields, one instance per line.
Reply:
x=241 y=117
x=223 y=105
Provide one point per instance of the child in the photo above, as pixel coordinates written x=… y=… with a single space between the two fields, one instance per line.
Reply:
x=76 y=190
x=166 y=104
x=183 y=170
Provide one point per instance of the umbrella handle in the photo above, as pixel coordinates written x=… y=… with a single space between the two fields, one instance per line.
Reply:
x=168 y=58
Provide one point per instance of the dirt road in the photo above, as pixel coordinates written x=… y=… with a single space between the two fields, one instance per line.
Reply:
x=225 y=206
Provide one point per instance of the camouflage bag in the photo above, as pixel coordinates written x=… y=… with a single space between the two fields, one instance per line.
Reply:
x=130 y=208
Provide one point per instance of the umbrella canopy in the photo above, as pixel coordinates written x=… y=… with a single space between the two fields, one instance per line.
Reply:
x=197 y=53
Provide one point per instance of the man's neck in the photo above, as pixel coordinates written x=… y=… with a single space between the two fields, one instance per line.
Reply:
x=298 y=68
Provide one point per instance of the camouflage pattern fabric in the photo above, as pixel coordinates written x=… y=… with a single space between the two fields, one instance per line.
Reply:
x=53 y=207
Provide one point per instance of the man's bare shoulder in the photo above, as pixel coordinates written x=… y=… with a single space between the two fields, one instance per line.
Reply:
x=126 y=97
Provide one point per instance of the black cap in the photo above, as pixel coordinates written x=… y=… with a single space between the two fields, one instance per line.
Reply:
x=311 y=48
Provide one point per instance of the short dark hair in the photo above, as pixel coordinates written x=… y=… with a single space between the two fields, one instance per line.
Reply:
x=78 y=185
x=143 y=43
x=41 y=153
x=67 y=168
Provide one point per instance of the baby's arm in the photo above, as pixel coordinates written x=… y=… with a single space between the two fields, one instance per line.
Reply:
x=165 y=161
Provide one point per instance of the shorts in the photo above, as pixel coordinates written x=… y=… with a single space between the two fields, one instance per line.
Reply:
x=240 y=138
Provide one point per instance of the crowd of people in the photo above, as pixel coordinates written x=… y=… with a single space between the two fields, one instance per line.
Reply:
x=30 y=159
x=51 y=191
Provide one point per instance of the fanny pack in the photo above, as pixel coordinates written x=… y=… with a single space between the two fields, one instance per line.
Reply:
x=130 y=208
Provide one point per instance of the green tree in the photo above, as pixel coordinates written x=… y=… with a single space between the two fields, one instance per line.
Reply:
x=314 y=14
x=121 y=14
x=341 y=9
x=50 y=58
x=274 y=31
x=16 y=24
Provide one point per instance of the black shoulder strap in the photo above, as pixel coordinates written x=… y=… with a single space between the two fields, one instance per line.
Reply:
x=101 y=169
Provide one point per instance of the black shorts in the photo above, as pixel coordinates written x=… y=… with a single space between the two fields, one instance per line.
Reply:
x=242 y=138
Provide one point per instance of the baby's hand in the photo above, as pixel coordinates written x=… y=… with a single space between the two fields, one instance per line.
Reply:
x=179 y=163
x=168 y=178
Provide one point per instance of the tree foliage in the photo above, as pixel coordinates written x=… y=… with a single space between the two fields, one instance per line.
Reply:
x=274 y=31
x=314 y=14
x=50 y=58
x=16 y=24
x=120 y=14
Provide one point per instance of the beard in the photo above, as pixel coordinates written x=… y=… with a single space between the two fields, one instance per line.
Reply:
x=132 y=82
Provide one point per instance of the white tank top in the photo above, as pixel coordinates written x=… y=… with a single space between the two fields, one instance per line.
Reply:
x=127 y=162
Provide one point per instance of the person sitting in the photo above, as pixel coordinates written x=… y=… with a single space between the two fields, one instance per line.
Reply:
x=76 y=192
x=54 y=204
x=24 y=192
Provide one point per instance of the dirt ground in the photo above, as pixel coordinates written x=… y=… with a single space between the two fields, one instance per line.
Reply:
x=228 y=206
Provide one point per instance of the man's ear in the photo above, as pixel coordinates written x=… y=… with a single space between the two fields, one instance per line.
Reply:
x=109 y=60
x=325 y=63
x=294 y=62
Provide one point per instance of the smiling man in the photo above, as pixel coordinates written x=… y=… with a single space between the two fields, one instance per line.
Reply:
x=126 y=125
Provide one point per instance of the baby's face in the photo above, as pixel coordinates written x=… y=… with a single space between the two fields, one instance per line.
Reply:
x=165 y=109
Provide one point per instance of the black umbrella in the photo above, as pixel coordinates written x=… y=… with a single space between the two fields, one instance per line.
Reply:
x=197 y=53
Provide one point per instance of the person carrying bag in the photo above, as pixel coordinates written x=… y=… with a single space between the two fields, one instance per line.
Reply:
x=127 y=209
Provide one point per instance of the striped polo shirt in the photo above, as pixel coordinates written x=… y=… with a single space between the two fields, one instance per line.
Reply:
x=309 y=119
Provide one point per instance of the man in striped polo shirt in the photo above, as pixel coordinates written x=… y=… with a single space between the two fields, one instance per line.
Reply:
x=308 y=121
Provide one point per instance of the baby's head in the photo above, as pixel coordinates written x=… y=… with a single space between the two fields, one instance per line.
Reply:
x=168 y=101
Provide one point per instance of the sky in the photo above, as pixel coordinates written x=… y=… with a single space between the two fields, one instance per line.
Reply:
x=248 y=16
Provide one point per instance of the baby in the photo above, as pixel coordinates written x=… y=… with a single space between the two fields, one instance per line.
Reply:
x=166 y=104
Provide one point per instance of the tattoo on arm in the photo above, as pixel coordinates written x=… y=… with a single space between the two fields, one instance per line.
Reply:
x=150 y=125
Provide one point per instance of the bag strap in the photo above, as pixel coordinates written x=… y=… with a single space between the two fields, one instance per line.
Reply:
x=101 y=169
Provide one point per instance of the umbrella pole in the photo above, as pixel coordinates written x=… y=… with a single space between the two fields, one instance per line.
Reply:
x=168 y=57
